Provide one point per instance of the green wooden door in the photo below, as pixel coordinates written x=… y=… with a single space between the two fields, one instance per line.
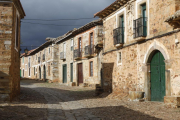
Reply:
x=157 y=77
x=144 y=20
x=64 y=73
x=71 y=72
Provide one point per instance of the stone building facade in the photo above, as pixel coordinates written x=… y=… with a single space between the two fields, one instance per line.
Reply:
x=78 y=64
x=38 y=63
x=62 y=57
x=10 y=16
x=141 y=51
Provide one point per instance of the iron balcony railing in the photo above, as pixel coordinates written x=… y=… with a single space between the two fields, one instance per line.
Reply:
x=43 y=56
x=39 y=59
x=118 y=35
x=89 y=50
x=77 y=53
x=140 y=27
x=62 y=55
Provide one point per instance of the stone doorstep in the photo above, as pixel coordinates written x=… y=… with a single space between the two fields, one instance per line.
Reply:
x=172 y=101
x=72 y=84
x=136 y=96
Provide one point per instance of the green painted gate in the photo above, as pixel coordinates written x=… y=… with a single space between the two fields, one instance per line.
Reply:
x=157 y=77
x=64 y=73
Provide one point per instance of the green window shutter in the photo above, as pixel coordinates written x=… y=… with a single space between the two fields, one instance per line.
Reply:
x=144 y=19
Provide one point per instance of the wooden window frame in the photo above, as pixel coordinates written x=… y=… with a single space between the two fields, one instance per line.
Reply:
x=80 y=38
x=91 y=73
x=90 y=38
x=72 y=44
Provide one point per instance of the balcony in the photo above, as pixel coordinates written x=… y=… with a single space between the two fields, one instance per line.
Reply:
x=140 y=29
x=100 y=37
x=77 y=54
x=39 y=59
x=118 y=35
x=89 y=51
x=62 y=55
x=43 y=57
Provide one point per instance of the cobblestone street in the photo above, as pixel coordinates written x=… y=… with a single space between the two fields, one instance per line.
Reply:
x=44 y=101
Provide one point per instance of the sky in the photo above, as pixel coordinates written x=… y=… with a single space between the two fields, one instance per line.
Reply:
x=35 y=34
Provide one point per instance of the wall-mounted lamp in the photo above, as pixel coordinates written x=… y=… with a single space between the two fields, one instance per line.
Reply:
x=26 y=51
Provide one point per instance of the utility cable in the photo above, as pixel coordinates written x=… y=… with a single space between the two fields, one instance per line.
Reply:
x=59 y=19
x=50 y=24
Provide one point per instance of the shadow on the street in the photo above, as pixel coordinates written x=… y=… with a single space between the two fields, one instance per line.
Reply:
x=67 y=93
x=105 y=113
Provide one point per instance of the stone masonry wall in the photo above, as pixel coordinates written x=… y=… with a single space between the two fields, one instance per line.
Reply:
x=69 y=59
x=35 y=65
x=85 y=36
x=129 y=75
x=5 y=47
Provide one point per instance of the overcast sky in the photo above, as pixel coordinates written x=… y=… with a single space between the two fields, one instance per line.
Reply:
x=35 y=34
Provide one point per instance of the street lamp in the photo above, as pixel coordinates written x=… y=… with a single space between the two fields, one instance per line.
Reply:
x=26 y=51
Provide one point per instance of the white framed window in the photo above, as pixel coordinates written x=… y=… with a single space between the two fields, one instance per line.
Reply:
x=121 y=23
x=36 y=57
x=49 y=50
x=23 y=73
x=139 y=12
x=119 y=58
x=72 y=44
x=26 y=67
x=23 y=60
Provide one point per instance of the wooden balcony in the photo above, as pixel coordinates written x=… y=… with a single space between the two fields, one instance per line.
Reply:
x=78 y=54
x=89 y=51
x=63 y=56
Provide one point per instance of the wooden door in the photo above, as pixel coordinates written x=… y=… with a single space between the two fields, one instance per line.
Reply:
x=44 y=72
x=64 y=73
x=80 y=73
x=157 y=77
x=39 y=72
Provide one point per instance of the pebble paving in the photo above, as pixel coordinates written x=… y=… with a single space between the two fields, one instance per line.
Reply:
x=58 y=109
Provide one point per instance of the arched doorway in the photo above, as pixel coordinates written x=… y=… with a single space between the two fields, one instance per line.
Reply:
x=44 y=73
x=157 y=76
x=39 y=72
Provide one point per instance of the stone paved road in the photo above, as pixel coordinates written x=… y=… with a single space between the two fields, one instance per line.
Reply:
x=44 y=101
x=58 y=107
